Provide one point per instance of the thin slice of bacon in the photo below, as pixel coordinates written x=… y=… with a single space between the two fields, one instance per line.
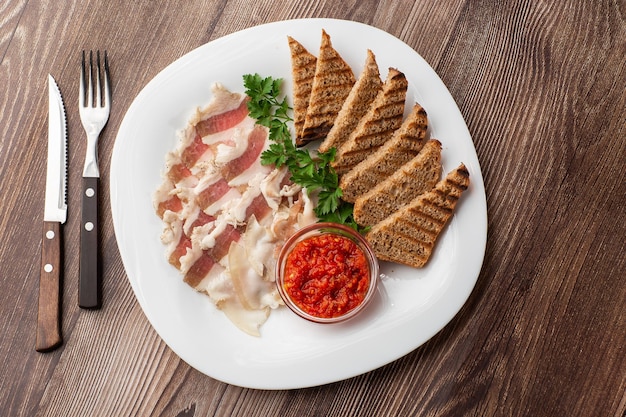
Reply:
x=258 y=207
x=202 y=266
x=199 y=269
x=193 y=151
x=212 y=193
x=181 y=249
x=256 y=142
x=202 y=219
x=173 y=204
x=185 y=241
x=222 y=121
x=223 y=241
x=178 y=173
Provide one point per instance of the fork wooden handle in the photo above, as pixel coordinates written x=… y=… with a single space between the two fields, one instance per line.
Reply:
x=50 y=280
x=90 y=281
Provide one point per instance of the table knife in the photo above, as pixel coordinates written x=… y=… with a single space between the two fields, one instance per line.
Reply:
x=55 y=213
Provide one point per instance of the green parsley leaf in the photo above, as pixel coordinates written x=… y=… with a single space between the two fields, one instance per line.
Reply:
x=311 y=170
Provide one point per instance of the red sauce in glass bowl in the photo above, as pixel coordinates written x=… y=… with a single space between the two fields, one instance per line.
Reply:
x=326 y=272
x=326 y=276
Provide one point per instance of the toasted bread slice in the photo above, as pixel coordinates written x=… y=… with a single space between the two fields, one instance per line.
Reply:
x=408 y=236
x=403 y=146
x=363 y=93
x=377 y=126
x=331 y=85
x=415 y=177
x=303 y=65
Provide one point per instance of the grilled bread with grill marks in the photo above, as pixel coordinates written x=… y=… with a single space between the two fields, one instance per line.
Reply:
x=409 y=235
x=331 y=85
x=367 y=87
x=403 y=146
x=377 y=126
x=303 y=66
x=415 y=177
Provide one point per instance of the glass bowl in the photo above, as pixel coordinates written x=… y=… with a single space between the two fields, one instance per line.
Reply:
x=326 y=273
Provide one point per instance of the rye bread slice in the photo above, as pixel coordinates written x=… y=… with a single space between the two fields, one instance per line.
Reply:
x=403 y=146
x=358 y=102
x=413 y=178
x=408 y=236
x=331 y=86
x=303 y=65
x=377 y=126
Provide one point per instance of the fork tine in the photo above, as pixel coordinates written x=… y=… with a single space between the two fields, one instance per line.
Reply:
x=90 y=85
x=107 y=91
x=81 y=93
x=98 y=85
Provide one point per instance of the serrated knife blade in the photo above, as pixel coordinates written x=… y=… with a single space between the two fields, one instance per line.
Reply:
x=55 y=213
x=55 y=209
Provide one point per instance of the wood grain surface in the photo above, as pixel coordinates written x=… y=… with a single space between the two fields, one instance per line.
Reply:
x=542 y=87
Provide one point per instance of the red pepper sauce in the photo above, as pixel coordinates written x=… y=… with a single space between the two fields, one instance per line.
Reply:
x=326 y=276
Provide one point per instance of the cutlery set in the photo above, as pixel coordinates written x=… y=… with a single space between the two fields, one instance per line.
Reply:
x=94 y=109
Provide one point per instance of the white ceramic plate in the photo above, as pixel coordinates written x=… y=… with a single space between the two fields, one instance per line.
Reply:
x=410 y=306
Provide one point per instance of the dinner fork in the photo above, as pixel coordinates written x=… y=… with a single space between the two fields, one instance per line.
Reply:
x=94 y=107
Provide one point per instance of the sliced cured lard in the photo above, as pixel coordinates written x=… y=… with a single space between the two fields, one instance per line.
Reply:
x=224 y=213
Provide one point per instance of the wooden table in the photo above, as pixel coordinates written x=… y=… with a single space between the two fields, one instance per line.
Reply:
x=542 y=87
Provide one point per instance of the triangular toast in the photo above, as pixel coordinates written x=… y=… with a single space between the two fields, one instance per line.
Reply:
x=303 y=66
x=367 y=87
x=331 y=85
x=408 y=236
x=415 y=177
x=377 y=126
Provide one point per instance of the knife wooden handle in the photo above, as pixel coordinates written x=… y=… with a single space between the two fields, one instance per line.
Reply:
x=90 y=281
x=50 y=282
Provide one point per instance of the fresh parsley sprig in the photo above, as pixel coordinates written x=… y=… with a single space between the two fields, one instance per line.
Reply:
x=311 y=170
x=265 y=107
